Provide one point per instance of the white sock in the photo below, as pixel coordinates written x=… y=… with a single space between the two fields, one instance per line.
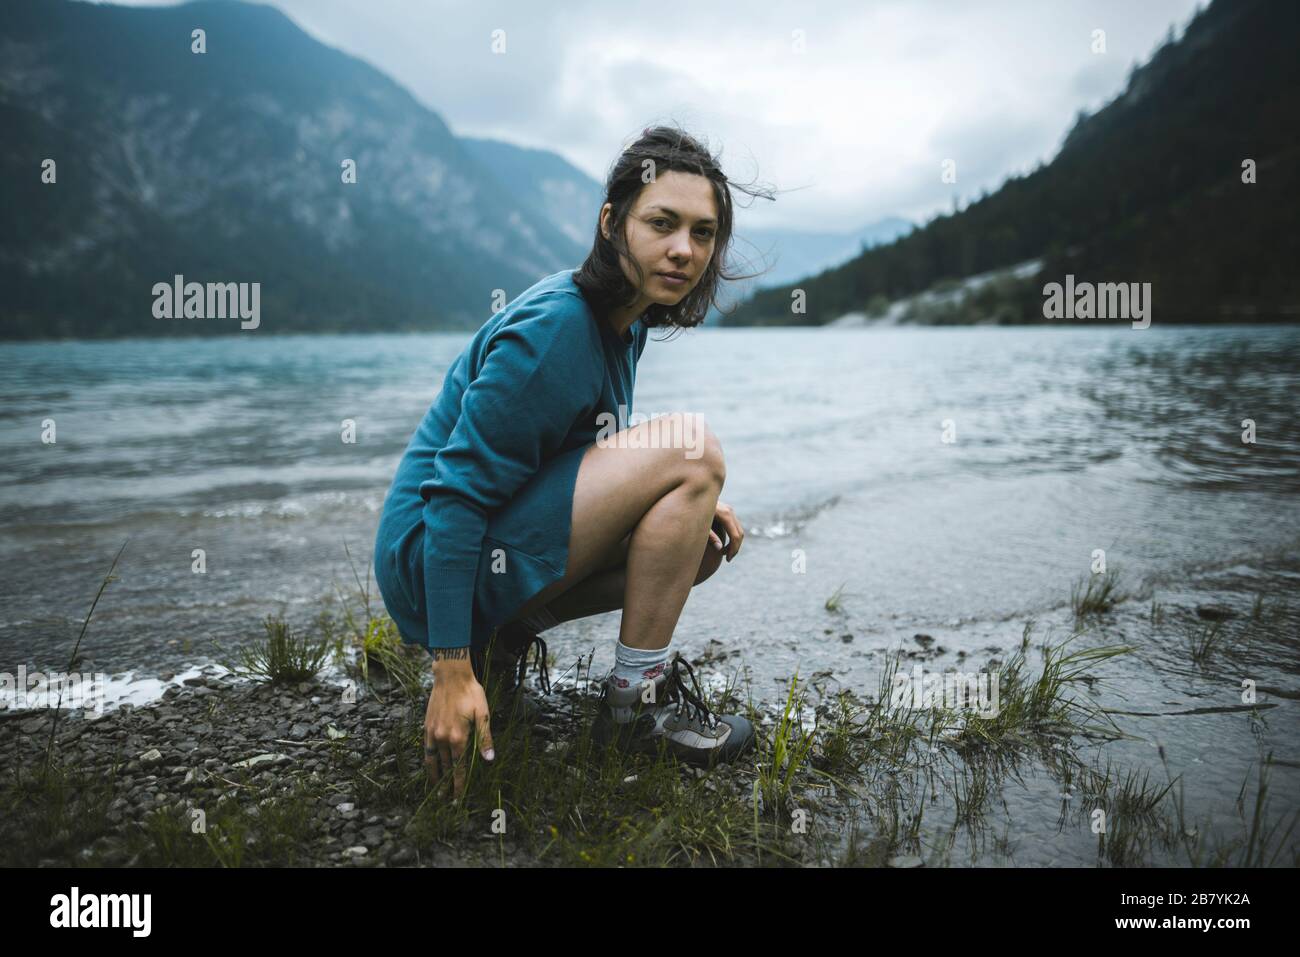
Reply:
x=634 y=665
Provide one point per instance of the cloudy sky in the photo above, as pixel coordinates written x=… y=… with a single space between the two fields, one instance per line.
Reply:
x=849 y=108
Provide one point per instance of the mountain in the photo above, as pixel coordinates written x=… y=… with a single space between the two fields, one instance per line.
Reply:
x=227 y=166
x=785 y=255
x=1148 y=189
x=554 y=188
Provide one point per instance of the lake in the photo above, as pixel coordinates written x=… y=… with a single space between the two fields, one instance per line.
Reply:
x=951 y=483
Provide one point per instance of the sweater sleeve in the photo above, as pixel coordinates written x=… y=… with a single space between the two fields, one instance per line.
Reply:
x=537 y=378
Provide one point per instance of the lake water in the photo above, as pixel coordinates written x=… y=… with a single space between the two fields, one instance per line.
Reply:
x=1064 y=441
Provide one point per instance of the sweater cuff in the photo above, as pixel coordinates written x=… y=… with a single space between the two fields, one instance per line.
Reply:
x=449 y=600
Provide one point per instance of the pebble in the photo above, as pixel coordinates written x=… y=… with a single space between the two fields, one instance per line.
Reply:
x=1214 y=612
x=403 y=855
x=260 y=760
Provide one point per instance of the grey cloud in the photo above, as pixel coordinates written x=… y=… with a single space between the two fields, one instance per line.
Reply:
x=439 y=49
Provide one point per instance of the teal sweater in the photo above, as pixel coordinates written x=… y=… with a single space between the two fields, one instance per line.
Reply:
x=528 y=386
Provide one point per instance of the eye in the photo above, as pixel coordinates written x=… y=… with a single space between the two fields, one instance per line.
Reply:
x=705 y=233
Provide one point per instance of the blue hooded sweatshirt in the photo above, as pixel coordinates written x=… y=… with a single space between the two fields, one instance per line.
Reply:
x=533 y=388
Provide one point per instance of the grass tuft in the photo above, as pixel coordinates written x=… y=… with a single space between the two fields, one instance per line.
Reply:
x=833 y=603
x=1096 y=594
x=282 y=657
x=1203 y=641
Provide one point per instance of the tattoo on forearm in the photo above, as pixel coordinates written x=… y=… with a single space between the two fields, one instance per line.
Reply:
x=451 y=654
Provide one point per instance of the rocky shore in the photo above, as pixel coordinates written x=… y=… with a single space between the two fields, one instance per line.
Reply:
x=328 y=772
x=226 y=771
x=217 y=741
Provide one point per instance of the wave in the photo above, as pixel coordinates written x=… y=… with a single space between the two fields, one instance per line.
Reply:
x=785 y=524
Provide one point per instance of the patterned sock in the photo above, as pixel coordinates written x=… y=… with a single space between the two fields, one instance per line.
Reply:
x=634 y=665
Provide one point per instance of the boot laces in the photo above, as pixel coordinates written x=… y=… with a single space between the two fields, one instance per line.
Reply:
x=537 y=643
x=689 y=698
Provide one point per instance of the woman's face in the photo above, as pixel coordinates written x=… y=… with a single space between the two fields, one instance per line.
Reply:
x=672 y=228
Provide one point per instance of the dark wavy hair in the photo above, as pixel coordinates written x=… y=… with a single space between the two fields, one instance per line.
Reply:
x=601 y=277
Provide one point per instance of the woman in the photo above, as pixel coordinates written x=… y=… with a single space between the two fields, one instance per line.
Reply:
x=509 y=511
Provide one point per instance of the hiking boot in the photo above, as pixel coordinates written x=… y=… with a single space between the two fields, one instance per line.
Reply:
x=501 y=668
x=636 y=719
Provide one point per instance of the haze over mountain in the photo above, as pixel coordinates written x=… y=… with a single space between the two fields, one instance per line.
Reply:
x=782 y=256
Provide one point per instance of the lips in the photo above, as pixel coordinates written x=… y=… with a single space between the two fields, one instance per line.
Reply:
x=675 y=275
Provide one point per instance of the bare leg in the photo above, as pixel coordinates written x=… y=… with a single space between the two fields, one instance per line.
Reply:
x=603 y=591
x=653 y=506
x=662 y=560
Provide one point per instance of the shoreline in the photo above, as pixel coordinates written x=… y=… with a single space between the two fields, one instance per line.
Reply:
x=214 y=751
x=225 y=770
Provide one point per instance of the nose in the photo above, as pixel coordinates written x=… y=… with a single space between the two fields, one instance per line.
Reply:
x=681 y=248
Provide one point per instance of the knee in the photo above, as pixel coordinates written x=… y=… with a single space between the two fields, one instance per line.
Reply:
x=702 y=449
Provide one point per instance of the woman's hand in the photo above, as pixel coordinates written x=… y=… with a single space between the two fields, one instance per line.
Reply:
x=456 y=702
x=725 y=517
